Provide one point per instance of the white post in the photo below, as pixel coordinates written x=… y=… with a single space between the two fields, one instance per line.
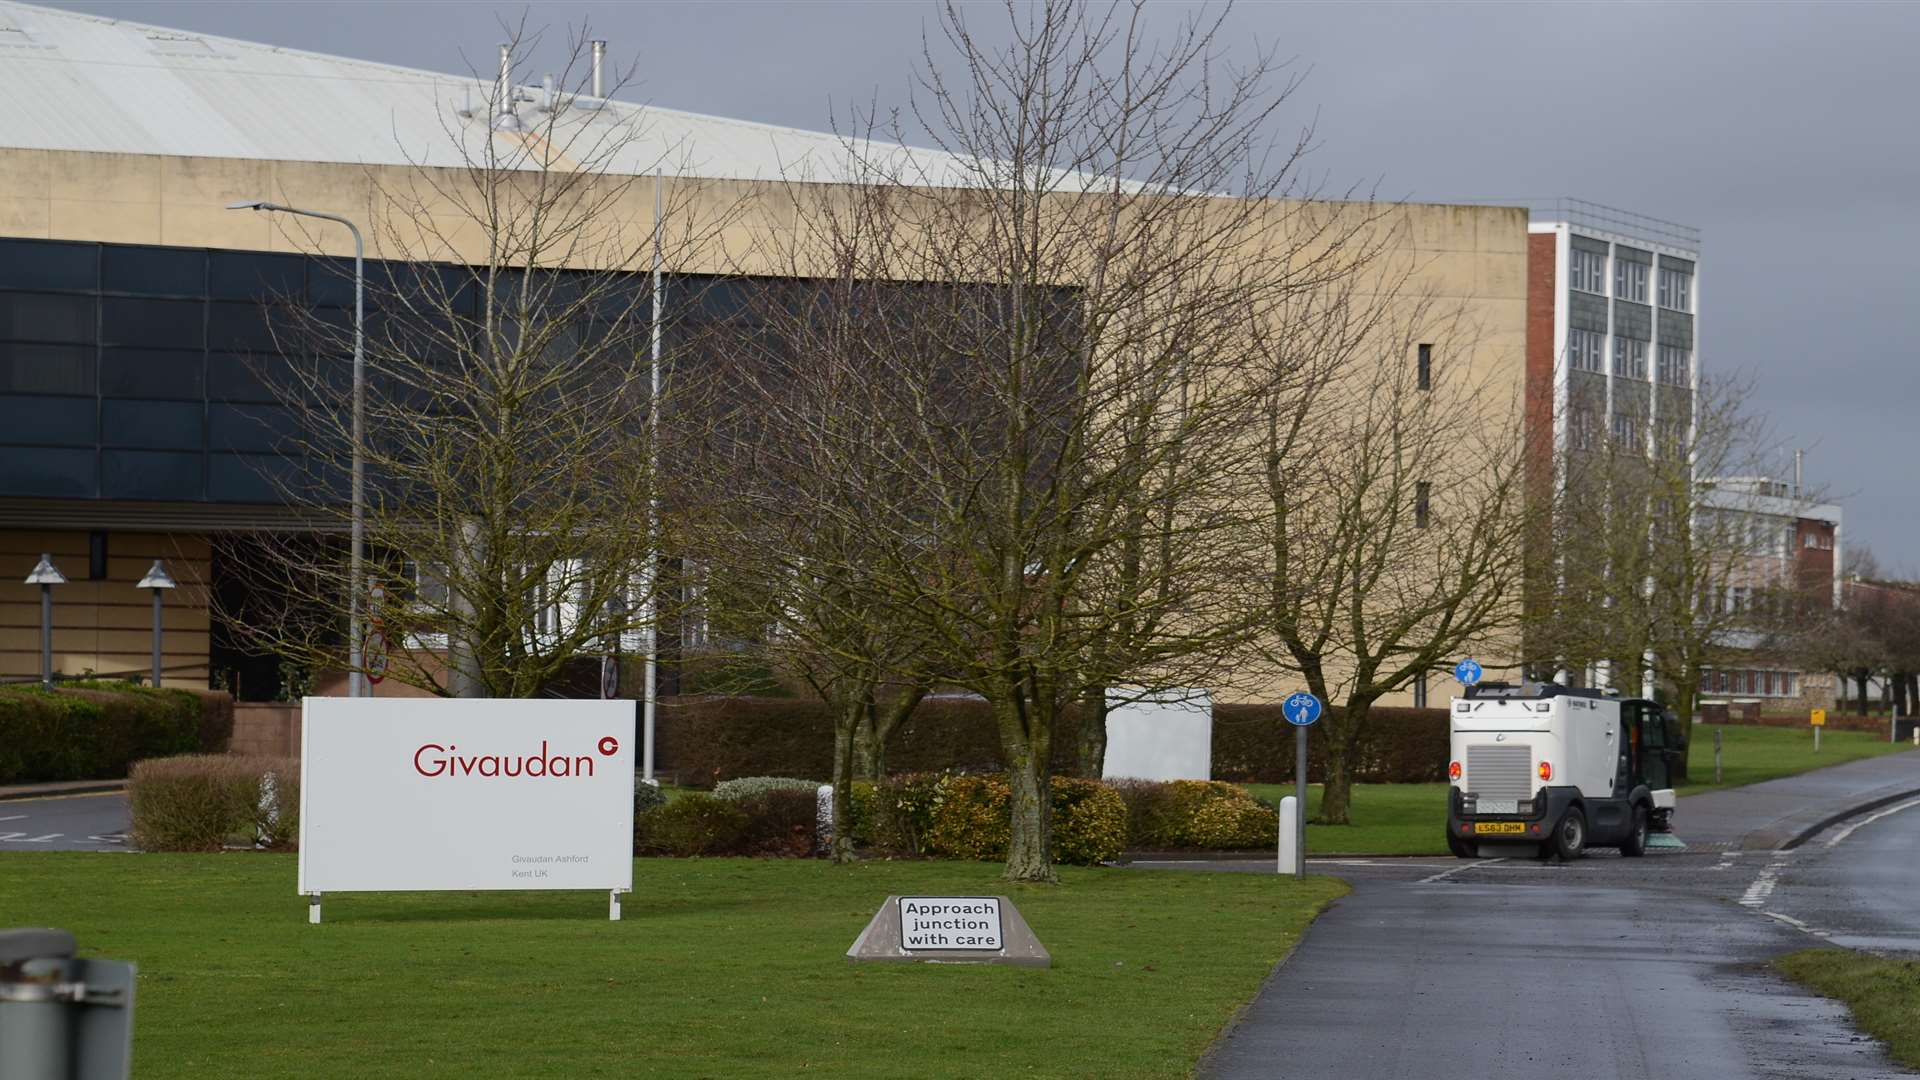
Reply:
x=313 y=908
x=649 y=695
x=1289 y=835
x=613 y=905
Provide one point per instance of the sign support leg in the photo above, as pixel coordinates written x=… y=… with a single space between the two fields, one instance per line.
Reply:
x=1300 y=806
x=613 y=905
x=313 y=908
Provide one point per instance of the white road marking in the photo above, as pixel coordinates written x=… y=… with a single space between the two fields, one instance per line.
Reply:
x=14 y=817
x=1763 y=885
x=23 y=838
x=1445 y=874
x=1848 y=831
x=1804 y=928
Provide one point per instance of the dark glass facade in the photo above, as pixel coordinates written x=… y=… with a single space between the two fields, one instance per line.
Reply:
x=131 y=372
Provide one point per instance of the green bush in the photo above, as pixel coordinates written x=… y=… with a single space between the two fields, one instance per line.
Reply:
x=95 y=731
x=896 y=814
x=1089 y=822
x=646 y=796
x=971 y=819
x=748 y=787
x=784 y=821
x=1204 y=814
x=693 y=824
x=205 y=802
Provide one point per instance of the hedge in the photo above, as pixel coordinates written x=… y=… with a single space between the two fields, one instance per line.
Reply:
x=206 y=802
x=770 y=823
x=708 y=740
x=97 y=730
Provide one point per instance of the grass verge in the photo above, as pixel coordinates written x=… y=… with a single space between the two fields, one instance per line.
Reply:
x=1884 y=994
x=720 y=968
x=1750 y=754
x=1388 y=819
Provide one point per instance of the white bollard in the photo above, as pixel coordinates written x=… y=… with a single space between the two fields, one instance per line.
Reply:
x=1289 y=833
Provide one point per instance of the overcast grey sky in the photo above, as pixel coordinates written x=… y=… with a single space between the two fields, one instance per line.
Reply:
x=1786 y=133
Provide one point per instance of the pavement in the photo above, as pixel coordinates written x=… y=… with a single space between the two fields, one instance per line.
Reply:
x=1608 y=967
x=15 y=792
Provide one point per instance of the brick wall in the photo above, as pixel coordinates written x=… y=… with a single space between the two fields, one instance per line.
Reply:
x=271 y=728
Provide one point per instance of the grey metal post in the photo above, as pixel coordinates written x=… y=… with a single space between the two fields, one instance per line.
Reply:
x=1300 y=793
x=356 y=678
x=156 y=637
x=649 y=693
x=46 y=635
x=1716 y=755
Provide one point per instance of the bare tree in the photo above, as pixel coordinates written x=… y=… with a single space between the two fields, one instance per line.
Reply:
x=1395 y=515
x=511 y=421
x=1066 y=395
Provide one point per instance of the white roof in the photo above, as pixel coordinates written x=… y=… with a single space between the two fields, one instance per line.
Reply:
x=87 y=83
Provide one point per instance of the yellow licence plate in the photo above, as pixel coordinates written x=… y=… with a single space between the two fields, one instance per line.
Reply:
x=1499 y=827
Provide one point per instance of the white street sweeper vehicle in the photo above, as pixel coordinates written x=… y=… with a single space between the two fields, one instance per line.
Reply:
x=1541 y=769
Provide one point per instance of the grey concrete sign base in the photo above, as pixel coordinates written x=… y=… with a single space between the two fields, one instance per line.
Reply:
x=950 y=930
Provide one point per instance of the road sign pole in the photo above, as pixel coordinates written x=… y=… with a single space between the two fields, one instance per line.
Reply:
x=1300 y=794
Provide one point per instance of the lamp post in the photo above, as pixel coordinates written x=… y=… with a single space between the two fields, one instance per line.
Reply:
x=46 y=575
x=356 y=678
x=159 y=581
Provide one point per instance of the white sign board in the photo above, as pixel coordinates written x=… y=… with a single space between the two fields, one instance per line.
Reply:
x=1166 y=735
x=946 y=923
x=429 y=793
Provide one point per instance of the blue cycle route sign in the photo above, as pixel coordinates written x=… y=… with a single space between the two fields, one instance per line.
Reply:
x=1301 y=709
x=1467 y=671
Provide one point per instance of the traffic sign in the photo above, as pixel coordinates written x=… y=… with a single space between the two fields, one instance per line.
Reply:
x=1301 y=709
x=377 y=659
x=1467 y=671
x=1819 y=717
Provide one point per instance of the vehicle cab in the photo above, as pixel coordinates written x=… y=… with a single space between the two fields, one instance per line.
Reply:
x=1539 y=768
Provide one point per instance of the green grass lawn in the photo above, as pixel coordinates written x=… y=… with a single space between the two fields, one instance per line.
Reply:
x=1750 y=754
x=1388 y=819
x=1884 y=994
x=720 y=968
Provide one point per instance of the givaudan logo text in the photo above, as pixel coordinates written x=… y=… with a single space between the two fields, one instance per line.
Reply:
x=432 y=759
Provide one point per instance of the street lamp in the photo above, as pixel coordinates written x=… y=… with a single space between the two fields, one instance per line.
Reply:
x=159 y=581
x=46 y=575
x=356 y=678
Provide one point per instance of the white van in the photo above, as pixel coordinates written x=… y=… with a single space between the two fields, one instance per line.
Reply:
x=1541 y=769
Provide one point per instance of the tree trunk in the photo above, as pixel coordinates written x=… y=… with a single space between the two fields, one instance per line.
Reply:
x=1860 y=684
x=1342 y=746
x=1025 y=735
x=463 y=654
x=1091 y=758
x=1899 y=680
x=846 y=722
x=869 y=749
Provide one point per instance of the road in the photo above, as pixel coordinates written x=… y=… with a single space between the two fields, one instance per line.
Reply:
x=65 y=823
x=1447 y=969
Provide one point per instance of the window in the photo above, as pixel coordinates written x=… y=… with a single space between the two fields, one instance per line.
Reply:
x=1670 y=439
x=97 y=555
x=1675 y=365
x=1424 y=369
x=1629 y=358
x=1584 y=349
x=1583 y=429
x=1422 y=503
x=1676 y=289
x=1588 y=271
x=1739 y=599
x=1629 y=280
x=1626 y=432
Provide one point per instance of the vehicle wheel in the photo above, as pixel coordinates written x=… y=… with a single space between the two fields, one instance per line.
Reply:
x=1635 y=845
x=1461 y=848
x=1663 y=821
x=1570 y=836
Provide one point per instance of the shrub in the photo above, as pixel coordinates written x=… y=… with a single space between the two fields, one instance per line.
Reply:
x=748 y=787
x=646 y=796
x=692 y=824
x=784 y=821
x=1089 y=822
x=1206 y=814
x=896 y=814
x=94 y=732
x=204 y=802
x=972 y=820
x=1254 y=744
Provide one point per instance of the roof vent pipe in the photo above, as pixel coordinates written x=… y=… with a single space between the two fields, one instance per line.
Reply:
x=599 y=68
x=547 y=102
x=504 y=118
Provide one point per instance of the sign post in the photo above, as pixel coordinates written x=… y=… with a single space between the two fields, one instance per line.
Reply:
x=1301 y=710
x=1819 y=720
